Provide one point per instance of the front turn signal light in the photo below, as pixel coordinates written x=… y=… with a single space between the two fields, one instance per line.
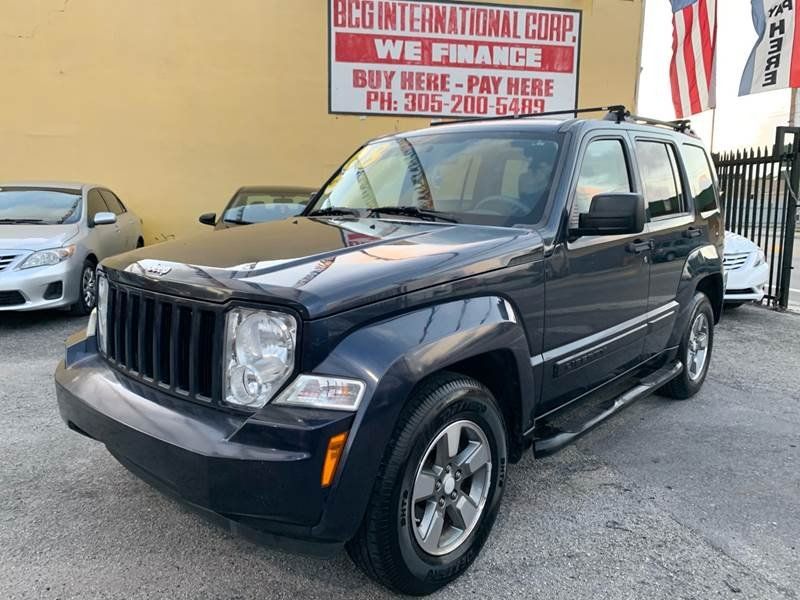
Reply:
x=332 y=456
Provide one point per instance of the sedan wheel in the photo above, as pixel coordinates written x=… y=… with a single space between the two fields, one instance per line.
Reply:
x=88 y=286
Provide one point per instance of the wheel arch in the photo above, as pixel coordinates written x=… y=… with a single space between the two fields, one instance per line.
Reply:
x=471 y=336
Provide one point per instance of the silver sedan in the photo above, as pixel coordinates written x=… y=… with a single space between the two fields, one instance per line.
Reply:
x=52 y=235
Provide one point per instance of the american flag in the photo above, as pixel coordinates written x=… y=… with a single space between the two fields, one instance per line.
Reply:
x=694 y=42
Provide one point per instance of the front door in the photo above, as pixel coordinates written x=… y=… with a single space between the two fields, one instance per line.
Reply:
x=597 y=286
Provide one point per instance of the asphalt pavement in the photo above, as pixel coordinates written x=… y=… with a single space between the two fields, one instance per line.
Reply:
x=675 y=500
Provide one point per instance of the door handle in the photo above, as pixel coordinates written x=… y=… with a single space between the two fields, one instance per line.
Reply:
x=693 y=232
x=639 y=246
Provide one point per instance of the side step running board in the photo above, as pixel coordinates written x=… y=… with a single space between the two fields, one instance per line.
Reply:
x=548 y=445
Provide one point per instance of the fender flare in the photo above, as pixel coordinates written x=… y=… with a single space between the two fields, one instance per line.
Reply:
x=701 y=263
x=392 y=357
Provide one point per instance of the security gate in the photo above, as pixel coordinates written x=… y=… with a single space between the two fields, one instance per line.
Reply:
x=759 y=198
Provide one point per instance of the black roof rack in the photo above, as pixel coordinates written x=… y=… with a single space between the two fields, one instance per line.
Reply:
x=615 y=109
x=616 y=112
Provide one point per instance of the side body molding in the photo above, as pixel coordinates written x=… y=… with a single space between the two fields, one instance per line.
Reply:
x=391 y=356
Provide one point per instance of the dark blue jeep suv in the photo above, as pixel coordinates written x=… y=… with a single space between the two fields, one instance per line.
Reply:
x=363 y=374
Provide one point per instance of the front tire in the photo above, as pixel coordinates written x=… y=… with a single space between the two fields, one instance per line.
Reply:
x=694 y=351
x=438 y=488
x=88 y=289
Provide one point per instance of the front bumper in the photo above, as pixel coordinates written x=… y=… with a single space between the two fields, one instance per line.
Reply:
x=32 y=285
x=747 y=284
x=259 y=474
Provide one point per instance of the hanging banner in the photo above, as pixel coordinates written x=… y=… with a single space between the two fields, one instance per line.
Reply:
x=774 y=62
x=450 y=59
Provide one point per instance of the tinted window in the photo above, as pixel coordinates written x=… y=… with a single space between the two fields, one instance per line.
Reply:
x=497 y=179
x=113 y=202
x=658 y=169
x=39 y=207
x=701 y=178
x=603 y=170
x=96 y=203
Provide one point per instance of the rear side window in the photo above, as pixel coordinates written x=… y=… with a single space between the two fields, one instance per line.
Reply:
x=96 y=203
x=604 y=170
x=701 y=177
x=113 y=202
x=658 y=168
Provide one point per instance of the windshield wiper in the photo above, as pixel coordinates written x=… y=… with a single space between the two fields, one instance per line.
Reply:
x=412 y=211
x=333 y=211
x=21 y=221
x=238 y=221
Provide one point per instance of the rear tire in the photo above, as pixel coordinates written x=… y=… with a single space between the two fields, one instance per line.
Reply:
x=87 y=297
x=694 y=351
x=426 y=522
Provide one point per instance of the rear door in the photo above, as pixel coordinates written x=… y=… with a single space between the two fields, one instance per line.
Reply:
x=672 y=227
x=597 y=286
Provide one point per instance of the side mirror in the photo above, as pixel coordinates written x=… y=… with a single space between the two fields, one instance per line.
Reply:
x=613 y=214
x=104 y=218
x=208 y=219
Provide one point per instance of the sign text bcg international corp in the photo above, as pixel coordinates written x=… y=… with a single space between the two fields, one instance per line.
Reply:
x=451 y=59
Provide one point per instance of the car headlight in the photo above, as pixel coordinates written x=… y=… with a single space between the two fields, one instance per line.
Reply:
x=259 y=355
x=44 y=258
x=315 y=391
x=760 y=259
x=102 y=312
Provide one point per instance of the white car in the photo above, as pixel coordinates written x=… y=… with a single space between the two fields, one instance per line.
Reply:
x=747 y=270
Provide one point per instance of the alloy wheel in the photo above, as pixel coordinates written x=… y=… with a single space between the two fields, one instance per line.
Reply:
x=88 y=286
x=697 y=351
x=451 y=486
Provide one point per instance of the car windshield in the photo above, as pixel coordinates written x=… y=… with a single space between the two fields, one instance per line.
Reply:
x=259 y=206
x=493 y=178
x=39 y=206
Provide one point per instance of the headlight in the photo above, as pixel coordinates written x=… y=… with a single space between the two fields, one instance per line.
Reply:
x=760 y=259
x=47 y=257
x=102 y=312
x=259 y=355
x=316 y=391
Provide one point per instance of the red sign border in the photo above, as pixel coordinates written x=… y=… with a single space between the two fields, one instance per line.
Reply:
x=577 y=11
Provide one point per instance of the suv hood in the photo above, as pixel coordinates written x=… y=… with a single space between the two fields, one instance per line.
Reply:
x=323 y=266
x=35 y=237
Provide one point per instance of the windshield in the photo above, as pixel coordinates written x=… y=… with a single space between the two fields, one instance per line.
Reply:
x=259 y=206
x=39 y=206
x=493 y=178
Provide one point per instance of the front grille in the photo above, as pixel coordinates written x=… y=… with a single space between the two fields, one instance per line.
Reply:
x=12 y=298
x=167 y=342
x=6 y=260
x=731 y=262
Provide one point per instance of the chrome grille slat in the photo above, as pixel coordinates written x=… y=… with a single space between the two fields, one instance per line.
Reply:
x=731 y=262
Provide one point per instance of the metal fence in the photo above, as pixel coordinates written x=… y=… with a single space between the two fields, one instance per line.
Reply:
x=759 y=198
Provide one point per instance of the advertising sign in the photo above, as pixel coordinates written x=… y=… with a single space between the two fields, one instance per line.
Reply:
x=451 y=59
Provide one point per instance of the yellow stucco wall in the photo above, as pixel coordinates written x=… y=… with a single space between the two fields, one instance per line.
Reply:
x=176 y=103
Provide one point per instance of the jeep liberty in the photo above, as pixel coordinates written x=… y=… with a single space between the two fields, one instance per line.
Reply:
x=362 y=375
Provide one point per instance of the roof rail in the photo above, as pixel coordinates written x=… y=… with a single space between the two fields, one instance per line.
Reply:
x=616 y=110
x=679 y=125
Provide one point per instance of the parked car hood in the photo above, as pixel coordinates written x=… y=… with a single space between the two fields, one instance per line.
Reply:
x=35 y=237
x=323 y=266
x=738 y=244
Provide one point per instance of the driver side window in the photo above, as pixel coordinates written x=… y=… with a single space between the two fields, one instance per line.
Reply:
x=603 y=170
x=95 y=203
